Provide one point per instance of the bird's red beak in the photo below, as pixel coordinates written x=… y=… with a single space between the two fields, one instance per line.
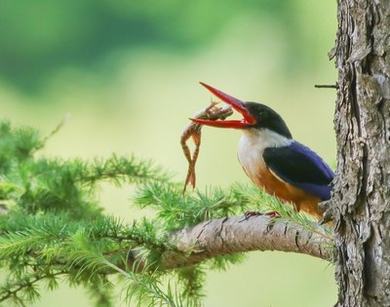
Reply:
x=236 y=104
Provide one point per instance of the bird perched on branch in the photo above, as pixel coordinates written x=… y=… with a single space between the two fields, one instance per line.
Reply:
x=272 y=159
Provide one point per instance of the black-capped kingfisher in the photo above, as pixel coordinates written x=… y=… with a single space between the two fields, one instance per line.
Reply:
x=272 y=159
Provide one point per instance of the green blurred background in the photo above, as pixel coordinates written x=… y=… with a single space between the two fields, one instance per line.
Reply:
x=127 y=72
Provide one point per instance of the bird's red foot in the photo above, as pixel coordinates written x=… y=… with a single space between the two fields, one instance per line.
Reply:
x=249 y=214
x=273 y=214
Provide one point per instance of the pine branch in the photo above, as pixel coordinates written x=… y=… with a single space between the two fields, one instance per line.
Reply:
x=121 y=169
x=11 y=290
x=240 y=234
x=54 y=224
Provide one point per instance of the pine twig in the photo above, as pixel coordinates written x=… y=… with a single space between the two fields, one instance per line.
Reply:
x=28 y=283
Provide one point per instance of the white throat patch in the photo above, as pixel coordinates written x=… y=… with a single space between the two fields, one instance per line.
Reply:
x=251 y=147
x=262 y=139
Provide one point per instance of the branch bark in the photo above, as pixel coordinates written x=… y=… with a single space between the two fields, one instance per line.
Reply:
x=240 y=234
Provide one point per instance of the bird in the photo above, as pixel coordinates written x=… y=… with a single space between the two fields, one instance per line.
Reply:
x=272 y=159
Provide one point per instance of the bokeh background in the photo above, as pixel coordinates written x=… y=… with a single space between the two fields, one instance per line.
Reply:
x=127 y=72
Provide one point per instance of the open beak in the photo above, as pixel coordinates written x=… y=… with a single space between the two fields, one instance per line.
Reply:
x=236 y=104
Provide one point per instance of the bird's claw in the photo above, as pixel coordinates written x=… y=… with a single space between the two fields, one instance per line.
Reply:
x=328 y=213
x=249 y=214
x=271 y=214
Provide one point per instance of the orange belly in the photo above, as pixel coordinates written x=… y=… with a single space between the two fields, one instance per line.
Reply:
x=286 y=192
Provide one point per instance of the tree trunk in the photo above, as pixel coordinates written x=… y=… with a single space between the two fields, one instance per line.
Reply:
x=361 y=201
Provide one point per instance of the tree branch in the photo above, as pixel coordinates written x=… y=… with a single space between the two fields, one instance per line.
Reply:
x=240 y=234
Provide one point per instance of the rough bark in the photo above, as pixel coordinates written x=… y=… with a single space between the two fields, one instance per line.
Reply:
x=241 y=234
x=361 y=200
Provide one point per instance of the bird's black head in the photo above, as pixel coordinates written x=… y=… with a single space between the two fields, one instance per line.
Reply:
x=267 y=118
x=255 y=115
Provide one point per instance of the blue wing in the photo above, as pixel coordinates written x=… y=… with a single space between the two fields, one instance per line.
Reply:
x=300 y=167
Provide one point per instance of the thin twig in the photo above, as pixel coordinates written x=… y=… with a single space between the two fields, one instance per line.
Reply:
x=326 y=86
x=29 y=283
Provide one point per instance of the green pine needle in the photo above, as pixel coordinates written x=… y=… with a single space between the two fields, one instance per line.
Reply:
x=54 y=226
